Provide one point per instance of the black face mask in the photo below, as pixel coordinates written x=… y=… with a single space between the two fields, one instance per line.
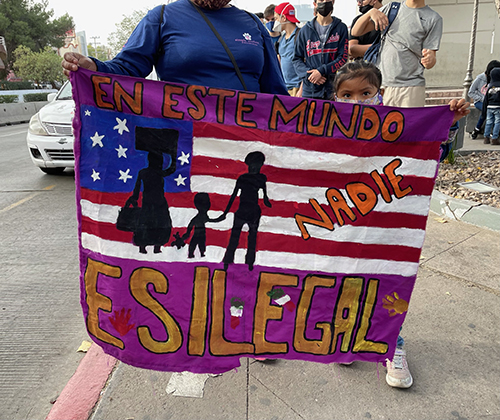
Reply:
x=324 y=8
x=364 y=9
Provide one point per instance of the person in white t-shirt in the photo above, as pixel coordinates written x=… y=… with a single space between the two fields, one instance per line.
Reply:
x=409 y=47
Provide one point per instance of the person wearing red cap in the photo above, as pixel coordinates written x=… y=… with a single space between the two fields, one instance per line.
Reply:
x=285 y=22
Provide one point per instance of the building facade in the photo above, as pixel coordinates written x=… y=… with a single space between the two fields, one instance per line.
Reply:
x=453 y=56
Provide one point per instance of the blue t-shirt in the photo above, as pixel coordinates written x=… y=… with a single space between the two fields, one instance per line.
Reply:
x=286 y=50
x=194 y=55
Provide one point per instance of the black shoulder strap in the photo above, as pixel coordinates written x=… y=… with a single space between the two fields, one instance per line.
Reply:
x=161 y=50
x=277 y=44
x=228 y=51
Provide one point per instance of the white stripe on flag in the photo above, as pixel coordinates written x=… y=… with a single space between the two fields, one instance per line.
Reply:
x=283 y=260
x=411 y=204
x=278 y=225
x=295 y=158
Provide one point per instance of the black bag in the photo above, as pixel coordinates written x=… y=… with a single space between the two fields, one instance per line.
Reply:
x=128 y=218
x=371 y=53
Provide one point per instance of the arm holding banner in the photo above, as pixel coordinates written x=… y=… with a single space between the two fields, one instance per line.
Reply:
x=194 y=56
x=73 y=60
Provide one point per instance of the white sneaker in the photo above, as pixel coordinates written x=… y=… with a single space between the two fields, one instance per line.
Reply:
x=398 y=373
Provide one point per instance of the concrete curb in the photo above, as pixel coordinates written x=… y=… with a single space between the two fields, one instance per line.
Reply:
x=465 y=210
x=81 y=393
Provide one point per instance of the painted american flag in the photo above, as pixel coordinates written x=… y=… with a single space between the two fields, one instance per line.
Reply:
x=345 y=213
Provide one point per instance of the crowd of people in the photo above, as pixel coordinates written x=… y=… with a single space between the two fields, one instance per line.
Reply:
x=320 y=59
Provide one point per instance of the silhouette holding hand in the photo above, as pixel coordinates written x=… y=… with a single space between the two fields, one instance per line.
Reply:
x=249 y=212
x=197 y=223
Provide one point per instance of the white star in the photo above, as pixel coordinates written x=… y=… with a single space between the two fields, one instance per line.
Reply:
x=184 y=158
x=124 y=176
x=121 y=126
x=97 y=139
x=121 y=151
x=87 y=113
x=180 y=180
x=95 y=175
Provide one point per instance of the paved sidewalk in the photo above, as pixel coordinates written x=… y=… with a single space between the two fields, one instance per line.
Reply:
x=476 y=145
x=465 y=210
x=452 y=340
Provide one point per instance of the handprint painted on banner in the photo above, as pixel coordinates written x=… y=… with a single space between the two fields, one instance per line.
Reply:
x=394 y=304
x=120 y=320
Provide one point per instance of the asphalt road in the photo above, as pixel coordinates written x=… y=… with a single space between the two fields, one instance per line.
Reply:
x=41 y=325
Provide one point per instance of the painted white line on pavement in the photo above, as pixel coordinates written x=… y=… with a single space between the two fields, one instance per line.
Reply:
x=13 y=134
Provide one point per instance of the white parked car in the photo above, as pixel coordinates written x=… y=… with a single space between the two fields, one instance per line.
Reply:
x=50 y=134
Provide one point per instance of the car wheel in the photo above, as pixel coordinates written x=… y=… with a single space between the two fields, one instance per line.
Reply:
x=52 y=171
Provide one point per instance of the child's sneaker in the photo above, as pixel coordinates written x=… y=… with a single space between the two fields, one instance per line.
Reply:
x=398 y=374
x=474 y=133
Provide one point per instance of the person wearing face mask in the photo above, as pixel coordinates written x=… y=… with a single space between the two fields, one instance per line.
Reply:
x=358 y=45
x=269 y=17
x=183 y=48
x=406 y=50
x=360 y=82
x=321 y=49
x=285 y=22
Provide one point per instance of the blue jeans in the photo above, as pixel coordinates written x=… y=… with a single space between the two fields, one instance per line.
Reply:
x=480 y=121
x=492 y=128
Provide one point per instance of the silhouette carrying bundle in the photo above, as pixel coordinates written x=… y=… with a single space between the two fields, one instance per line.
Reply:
x=151 y=223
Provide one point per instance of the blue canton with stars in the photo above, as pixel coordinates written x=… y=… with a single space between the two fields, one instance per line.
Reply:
x=109 y=161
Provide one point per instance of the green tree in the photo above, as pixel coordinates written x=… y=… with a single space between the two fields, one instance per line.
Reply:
x=118 y=38
x=30 y=23
x=100 y=53
x=40 y=67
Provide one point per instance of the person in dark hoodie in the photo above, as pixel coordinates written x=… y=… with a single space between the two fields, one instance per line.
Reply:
x=477 y=91
x=322 y=47
x=491 y=108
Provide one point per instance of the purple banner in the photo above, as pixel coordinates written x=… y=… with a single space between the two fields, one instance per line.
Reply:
x=216 y=224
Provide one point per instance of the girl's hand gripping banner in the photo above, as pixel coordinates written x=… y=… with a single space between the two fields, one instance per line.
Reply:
x=218 y=224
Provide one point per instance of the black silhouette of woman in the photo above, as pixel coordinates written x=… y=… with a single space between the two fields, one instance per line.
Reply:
x=154 y=225
x=249 y=211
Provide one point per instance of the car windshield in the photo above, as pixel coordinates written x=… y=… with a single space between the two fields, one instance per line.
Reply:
x=65 y=92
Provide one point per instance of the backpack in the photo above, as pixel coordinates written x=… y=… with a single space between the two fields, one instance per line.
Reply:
x=371 y=54
x=277 y=43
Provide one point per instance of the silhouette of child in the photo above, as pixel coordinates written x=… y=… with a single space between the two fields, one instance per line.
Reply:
x=199 y=239
x=249 y=211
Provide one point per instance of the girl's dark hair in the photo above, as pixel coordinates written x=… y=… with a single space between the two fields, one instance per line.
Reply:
x=355 y=69
x=491 y=65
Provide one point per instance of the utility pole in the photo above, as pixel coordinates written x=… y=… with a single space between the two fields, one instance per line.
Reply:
x=95 y=44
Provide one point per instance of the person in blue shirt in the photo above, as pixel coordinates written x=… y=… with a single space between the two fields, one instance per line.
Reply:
x=183 y=49
x=286 y=22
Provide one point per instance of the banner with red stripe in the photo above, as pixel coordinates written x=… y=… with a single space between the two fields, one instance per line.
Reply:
x=217 y=224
